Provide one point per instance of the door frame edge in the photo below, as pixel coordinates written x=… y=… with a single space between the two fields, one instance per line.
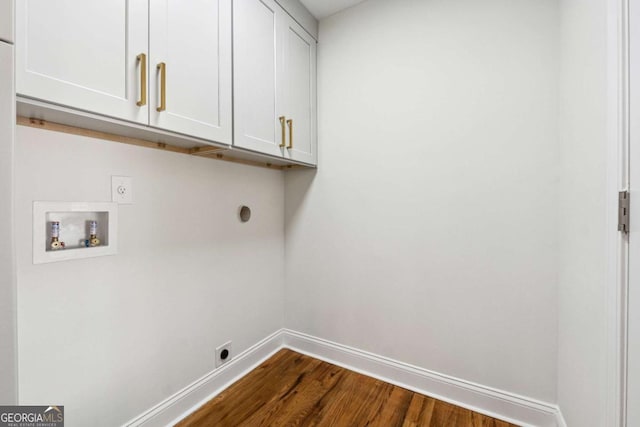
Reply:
x=617 y=179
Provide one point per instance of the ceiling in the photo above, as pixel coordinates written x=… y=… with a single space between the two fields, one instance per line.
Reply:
x=323 y=8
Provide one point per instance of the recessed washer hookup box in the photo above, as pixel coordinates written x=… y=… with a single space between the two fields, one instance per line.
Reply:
x=71 y=230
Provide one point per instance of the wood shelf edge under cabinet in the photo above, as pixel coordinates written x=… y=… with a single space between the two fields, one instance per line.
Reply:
x=52 y=113
x=38 y=114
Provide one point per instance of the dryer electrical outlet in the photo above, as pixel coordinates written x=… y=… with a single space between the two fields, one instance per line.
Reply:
x=223 y=354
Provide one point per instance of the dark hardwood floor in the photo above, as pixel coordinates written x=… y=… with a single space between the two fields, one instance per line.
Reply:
x=291 y=389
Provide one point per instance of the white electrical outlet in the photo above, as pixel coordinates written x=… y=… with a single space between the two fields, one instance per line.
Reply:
x=223 y=354
x=121 y=190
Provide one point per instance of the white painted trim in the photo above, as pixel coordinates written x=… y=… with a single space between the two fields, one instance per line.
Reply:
x=301 y=15
x=560 y=421
x=496 y=403
x=190 y=398
x=617 y=248
x=8 y=279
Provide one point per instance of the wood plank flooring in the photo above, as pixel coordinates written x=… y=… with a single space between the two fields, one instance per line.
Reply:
x=291 y=389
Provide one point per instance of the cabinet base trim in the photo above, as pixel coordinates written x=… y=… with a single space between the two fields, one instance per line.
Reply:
x=210 y=152
x=57 y=127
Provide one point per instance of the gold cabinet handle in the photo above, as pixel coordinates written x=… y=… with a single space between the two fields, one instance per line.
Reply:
x=163 y=86
x=282 y=126
x=290 y=124
x=142 y=59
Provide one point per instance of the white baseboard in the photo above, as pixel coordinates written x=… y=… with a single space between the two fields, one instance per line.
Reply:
x=499 y=404
x=486 y=400
x=190 y=398
x=560 y=419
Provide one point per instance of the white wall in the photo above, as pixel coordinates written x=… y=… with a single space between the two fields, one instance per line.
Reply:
x=428 y=234
x=110 y=337
x=582 y=294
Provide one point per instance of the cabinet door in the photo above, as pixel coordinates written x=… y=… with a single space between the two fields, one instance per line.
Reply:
x=300 y=93
x=257 y=82
x=83 y=54
x=193 y=41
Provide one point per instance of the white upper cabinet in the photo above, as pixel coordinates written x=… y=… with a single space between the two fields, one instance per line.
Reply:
x=257 y=64
x=274 y=82
x=83 y=54
x=239 y=72
x=300 y=93
x=6 y=20
x=190 y=67
x=164 y=63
